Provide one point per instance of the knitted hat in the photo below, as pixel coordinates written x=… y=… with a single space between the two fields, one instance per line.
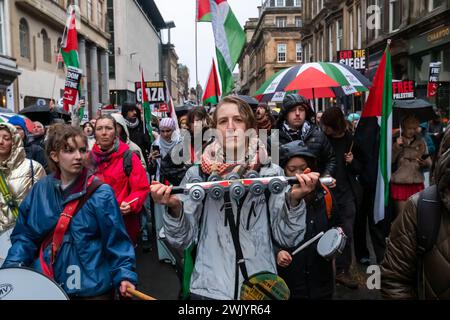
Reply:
x=18 y=121
x=167 y=123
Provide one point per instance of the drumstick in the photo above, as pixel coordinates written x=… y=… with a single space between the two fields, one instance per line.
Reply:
x=351 y=147
x=134 y=200
x=139 y=294
x=308 y=243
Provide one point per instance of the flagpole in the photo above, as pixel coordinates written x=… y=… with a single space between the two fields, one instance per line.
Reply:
x=196 y=50
x=56 y=69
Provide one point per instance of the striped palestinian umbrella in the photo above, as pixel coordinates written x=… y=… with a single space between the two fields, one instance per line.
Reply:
x=6 y=114
x=314 y=80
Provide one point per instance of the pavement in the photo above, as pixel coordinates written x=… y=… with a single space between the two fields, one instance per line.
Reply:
x=156 y=278
x=160 y=280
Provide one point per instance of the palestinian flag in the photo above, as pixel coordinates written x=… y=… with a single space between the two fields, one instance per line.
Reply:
x=70 y=50
x=230 y=40
x=374 y=135
x=212 y=91
x=203 y=11
x=146 y=109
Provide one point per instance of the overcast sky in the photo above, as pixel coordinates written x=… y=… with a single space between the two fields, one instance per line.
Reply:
x=182 y=12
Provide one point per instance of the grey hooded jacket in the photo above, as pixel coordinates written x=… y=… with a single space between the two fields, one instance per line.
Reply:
x=214 y=272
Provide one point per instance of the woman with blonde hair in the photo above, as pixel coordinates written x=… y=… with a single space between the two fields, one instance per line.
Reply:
x=18 y=173
x=409 y=158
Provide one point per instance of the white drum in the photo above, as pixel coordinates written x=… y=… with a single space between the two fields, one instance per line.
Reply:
x=5 y=244
x=332 y=243
x=27 y=284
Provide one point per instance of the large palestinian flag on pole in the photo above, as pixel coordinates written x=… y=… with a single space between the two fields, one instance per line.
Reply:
x=70 y=51
x=203 y=11
x=146 y=108
x=230 y=40
x=212 y=90
x=374 y=135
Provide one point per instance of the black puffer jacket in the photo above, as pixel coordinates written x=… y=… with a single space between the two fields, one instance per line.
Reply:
x=317 y=143
x=310 y=276
x=137 y=134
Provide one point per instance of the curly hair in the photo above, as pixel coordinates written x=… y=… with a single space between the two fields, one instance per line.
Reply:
x=58 y=139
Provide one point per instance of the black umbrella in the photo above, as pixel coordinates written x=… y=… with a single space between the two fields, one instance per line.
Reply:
x=43 y=115
x=419 y=108
x=37 y=113
x=184 y=109
x=250 y=100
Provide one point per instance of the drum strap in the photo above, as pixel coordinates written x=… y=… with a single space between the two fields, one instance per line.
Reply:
x=240 y=261
x=56 y=238
x=328 y=201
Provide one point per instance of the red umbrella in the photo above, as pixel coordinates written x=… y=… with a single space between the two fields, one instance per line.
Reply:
x=310 y=79
x=313 y=84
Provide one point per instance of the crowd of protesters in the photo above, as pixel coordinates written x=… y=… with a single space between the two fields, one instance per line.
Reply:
x=123 y=175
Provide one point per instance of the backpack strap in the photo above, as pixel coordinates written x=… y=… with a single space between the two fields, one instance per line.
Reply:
x=428 y=219
x=128 y=162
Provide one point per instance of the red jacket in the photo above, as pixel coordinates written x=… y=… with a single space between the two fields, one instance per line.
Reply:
x=125 y=188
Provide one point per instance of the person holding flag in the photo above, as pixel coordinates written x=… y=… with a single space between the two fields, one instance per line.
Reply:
x=374 y=136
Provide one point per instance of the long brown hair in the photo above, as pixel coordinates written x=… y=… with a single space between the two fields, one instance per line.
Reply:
x=334 y=119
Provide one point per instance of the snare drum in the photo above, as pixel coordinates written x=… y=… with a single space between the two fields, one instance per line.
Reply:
x=27 y=284
x=332 y=243
x=5 y=244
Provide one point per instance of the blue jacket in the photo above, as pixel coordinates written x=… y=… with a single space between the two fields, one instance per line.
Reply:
x=96 y=245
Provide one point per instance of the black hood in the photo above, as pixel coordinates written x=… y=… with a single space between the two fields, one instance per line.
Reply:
x=290 y=101
x=128 y=107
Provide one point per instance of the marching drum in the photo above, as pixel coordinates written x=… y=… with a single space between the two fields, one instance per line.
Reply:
x=27 y=284
x=5 y=244
x=332 y=243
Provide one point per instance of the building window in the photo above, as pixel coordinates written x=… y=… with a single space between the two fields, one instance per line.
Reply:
x=395 y=15
x=322 y=47
x=297 y=3
x=111 y=43
x=339 y=39
x=46 y=47
x=24 y=32
x=280 y=3
x=281 y=52
x=89 y=10
x=2 y=30
x=59 y=58
x=298 y=22
x=281 y=22
x=330 y=39
x=433 y=4
x=299 y=52
x=100 y=14
x=351 y=30
x=358 y=13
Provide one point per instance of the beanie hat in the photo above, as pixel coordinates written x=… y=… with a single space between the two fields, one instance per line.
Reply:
x=19 y=121
x=167 y=123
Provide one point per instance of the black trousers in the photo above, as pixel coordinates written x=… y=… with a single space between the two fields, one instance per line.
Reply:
x=378 y=232
x=345 y=218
